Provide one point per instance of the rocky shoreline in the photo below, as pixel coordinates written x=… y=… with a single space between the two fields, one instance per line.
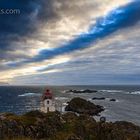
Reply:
x=78 y=124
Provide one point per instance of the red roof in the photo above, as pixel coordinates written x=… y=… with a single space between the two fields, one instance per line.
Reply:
x=47 y=94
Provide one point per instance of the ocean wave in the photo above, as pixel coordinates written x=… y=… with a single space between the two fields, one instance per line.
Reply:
x=64 y=91
x=112 y=91
x=135 y=92
x=121 y=91
x=61 y=98
x=29 y=94
x=65 y=104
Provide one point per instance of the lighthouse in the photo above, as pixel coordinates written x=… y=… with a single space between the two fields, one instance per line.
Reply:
x=48 y=104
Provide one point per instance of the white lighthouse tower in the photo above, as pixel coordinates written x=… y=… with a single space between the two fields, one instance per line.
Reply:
x=48 y=104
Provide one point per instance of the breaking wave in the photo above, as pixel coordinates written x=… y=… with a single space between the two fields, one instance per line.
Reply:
x=135 y=92
x=61 y=98
x=121 y=91
x=29 y=94
x=112 y=91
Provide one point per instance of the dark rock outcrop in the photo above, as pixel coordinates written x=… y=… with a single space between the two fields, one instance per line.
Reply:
x=98 y=98
x=112 y=100
x=82 y=91
x=82 y=106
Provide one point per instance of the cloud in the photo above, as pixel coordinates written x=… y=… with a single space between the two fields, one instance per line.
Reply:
x=119 y=18
x=70 y=42
x=50 y=22
x=117 y=54
x=31 y=12
x=71 y=78
x=18 y=27
x=32 y=69
x=113 y=60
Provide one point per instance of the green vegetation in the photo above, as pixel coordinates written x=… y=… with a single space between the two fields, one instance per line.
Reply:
x=36 y=125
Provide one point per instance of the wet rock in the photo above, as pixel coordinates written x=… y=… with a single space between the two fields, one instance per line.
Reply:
x=98 y=98
x=112 y=100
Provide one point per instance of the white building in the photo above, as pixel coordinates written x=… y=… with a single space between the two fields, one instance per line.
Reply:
x=48 y=103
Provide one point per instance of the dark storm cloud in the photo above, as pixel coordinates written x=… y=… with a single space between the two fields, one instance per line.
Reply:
x=15 y=26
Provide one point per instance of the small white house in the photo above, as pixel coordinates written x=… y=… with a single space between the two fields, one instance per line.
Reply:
x=48 y=103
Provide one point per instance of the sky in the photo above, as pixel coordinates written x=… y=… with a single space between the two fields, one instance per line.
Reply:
x=70 y=42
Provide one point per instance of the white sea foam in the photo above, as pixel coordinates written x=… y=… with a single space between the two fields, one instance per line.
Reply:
x=135 y=92
x=29 y=94
x=110 y=91
x=61 y=98
x=117 y=100
x=64 y=91
x=121 y=91
x=65 y=104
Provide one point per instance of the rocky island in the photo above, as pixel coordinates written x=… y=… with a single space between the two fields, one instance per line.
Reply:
x=82 y=91
x=98 y=98
x=81 y=106
x=78 y=124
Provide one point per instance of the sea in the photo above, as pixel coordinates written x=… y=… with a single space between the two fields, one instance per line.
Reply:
x=21 y=99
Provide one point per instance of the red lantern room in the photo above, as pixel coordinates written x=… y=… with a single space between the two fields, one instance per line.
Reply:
x=47 y=94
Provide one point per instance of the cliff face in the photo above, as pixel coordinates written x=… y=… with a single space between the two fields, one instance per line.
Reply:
x=69 y=126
